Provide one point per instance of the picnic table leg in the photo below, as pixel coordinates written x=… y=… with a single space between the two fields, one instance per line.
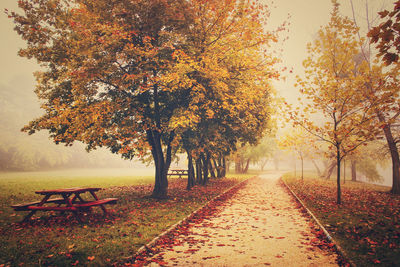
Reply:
x=68 y=201
x=27 y=217
x=101 y=206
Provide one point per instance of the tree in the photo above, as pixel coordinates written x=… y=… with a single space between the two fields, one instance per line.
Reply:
x=381 y=86
x=103 y=61
x=129 y=75
x=299 y=142
x=366 y=160
x=332 y=79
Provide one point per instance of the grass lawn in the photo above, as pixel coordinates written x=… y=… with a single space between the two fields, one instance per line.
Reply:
x=99 y=241
x=366 y=225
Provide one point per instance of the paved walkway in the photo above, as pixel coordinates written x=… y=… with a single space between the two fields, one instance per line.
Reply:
x=259 y=226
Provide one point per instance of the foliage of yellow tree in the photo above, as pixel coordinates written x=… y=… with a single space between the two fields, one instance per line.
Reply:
x=330 y=87
x=130 y=75
x=227 y=65
x=299 y=142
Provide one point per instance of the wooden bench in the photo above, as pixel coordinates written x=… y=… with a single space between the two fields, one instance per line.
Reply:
x=97 y=203
x=178 y=173
x=25 y=206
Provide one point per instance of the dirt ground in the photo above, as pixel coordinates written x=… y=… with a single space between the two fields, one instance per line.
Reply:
x=259 y=226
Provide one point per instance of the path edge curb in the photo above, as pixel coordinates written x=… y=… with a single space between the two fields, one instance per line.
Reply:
x=337 y=247
x=174 y=226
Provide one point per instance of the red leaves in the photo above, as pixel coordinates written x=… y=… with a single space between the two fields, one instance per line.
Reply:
x=368 y=220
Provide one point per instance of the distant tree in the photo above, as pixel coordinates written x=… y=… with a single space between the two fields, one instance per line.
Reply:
x=299 y=142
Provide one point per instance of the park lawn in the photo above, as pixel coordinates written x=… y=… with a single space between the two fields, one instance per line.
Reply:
x=62 y=241
x=366 y=225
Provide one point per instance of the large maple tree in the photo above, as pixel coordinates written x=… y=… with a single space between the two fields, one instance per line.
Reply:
x=134 y=75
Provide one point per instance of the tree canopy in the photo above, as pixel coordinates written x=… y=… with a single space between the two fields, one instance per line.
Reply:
x=140 y=76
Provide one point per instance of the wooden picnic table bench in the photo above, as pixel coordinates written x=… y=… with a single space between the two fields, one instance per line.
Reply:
x=178 y=172
x=70 y=200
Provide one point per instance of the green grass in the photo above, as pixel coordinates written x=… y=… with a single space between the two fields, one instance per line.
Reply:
x=366 y=225
x=99 y=241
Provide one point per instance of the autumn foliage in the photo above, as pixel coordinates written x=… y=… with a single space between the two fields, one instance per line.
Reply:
x=387 y=34
x=150 y=77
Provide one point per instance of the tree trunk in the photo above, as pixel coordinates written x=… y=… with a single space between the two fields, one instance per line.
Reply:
x=161 y=163
x=394 y=153
x=205 y=160
x=339 y=192
x=212 y=168
x=199 y=174
x=190 y=181
x=344 y=171
x=354 y=170
x=218 y=167
x=225 y=167
x=246 y=168
x=328 y=171
x=316 y=167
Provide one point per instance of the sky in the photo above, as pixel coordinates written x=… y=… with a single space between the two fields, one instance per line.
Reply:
x=306 y=17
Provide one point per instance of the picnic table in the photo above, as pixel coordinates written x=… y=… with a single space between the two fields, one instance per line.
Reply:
x=69 y=199
x=178 y=172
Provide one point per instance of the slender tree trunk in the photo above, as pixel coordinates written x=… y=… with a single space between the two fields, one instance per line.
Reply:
x=329 y=170
x=212 y=168
x=316 y=167
x=190 y=181
x=199 y=174
x=217 y=166
x=354 y=170
x=344 y=171
x=339 y=192
x=225 y=167
x=394 y=153
x=263 y=163
x=246 y=168
x=205 y=160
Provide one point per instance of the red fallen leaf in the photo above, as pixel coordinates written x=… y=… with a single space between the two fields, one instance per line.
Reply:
x=278 y=256
x=90 y=258
x=220 y=245
x=75 y=263
x=280 y=237
x=376 y=261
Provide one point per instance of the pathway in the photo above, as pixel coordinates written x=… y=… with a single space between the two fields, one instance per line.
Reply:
x=259 y=226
